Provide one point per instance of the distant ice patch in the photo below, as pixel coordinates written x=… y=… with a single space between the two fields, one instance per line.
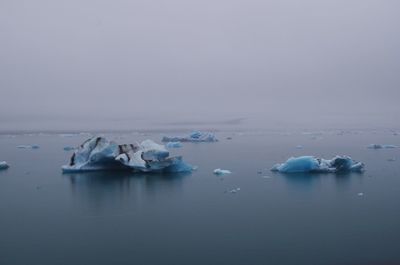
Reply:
x=68 y=148
x=195 y=136
x=381 y=146
x=313 y=164
x=28 y=146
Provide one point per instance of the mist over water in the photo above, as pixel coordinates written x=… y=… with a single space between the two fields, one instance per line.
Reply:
x=84 y=65
x=271 y=78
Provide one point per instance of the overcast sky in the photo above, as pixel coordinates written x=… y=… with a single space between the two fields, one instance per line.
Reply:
x=68 y=64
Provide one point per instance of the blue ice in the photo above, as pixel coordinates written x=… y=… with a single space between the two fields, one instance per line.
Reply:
x=313 y=164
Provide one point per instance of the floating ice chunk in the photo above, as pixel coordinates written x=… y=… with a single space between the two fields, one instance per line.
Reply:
x=98 y=153
x=375 y=146
x=195 y=136
x=173 y=145
x=234 y=190
x=360 y=194
x=3 y=165
x=68 y=148
x=299 y=147
x=312 y=164
x=28 y=146
x=94 y=154
x=380 y=146
x=220 y=172
x=389 y=146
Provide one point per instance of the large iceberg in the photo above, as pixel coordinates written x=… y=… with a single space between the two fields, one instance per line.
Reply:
x=195 y=136
x=313 y=164
x=3 y=165
x=98 y=153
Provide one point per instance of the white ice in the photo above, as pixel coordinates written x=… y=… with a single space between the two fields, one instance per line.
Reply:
x=219 y=171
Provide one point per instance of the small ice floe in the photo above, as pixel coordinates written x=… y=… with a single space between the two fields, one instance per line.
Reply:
x=28 y=146
x=221 y=172
x=266 y=177
x=195 y=136
x=68 y=148
x=299 y=147
x=391 y=159
x=234 y=190
x=173 y=145
x=228 y=138
x=380 y=146
x=3 y=165
x=360 y=194
x=313 y=164
x=99 y=153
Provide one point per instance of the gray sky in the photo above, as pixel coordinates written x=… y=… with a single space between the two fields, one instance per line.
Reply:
x=95 y=63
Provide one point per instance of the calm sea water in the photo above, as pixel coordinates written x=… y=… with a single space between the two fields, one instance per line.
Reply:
x=121 y=218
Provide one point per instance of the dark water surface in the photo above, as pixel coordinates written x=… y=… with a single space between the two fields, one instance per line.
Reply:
x=122 y=218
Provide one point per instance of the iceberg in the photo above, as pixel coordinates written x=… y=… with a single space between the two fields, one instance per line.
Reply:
x=173 y=145
x=313 y=164
x=389 y=146
x=220 y=172
x=195 y=136
x=3 y=165
x=99 y=153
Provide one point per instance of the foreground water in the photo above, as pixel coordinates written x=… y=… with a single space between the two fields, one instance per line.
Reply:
x=121 y=218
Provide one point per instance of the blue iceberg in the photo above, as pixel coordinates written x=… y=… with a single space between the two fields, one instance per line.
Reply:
x=313 y=164
x=98 y=153
x=195 y=136
x=173 y=145
x=3 y=165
